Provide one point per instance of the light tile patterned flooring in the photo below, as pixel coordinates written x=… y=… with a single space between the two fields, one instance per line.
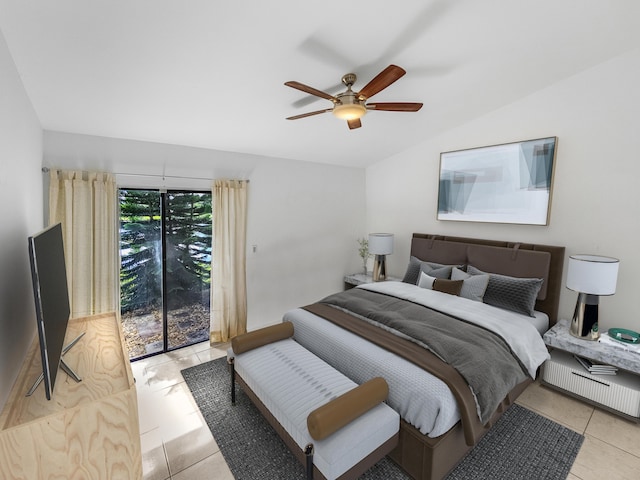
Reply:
x=177 y=444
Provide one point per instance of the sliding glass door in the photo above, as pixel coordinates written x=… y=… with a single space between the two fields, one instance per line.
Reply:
x=141 y=271
x=165 y=249
x=188 y=267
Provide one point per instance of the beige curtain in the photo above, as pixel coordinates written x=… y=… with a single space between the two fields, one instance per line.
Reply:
x=86 y=203
x=228 y=282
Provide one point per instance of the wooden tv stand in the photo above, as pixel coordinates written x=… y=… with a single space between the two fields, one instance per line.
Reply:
x=88 y=429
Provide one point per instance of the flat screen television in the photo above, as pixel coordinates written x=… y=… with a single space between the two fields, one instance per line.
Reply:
x=49 y=276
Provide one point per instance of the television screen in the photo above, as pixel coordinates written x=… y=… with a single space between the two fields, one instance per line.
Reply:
x=49 y=275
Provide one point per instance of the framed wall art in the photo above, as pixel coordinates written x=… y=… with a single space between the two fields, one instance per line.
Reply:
x=508 y=183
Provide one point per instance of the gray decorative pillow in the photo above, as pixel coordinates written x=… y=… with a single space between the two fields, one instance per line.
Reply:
x=416 y=266
x=443 y=272
x=511 y=293
x=474 y=286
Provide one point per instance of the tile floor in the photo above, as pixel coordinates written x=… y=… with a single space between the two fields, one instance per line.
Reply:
x=177 y=444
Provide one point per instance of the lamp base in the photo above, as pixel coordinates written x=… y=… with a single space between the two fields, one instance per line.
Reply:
x=379 y=268
x=584 y=324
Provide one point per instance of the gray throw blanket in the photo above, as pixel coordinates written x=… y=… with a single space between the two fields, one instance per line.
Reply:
x=482 y=358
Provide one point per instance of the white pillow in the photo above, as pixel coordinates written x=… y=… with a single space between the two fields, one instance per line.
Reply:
x=474 y=286
x=425 y=281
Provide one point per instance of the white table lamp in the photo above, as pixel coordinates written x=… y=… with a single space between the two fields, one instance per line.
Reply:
x=380 y=245
x=591 y=276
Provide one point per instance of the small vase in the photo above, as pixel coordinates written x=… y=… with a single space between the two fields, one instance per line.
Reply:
x=364 y=270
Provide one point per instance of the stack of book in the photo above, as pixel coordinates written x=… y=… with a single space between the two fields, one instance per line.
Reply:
x=596 y=368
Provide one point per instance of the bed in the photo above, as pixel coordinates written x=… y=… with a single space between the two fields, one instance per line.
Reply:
x=446 y=402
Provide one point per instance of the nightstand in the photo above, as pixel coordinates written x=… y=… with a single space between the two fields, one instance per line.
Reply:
x=618 y=394
x=355 y=279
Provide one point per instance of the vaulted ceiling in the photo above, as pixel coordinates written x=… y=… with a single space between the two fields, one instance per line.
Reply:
x=211 y=73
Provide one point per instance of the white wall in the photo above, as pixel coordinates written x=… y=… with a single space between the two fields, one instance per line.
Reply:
x=303 y=217
x=596 y=191
x=21 y=199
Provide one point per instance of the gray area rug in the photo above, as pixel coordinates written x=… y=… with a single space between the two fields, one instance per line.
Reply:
x=522 y=444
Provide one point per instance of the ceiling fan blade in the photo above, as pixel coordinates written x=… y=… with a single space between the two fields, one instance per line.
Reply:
x=307 y=99
x=355 y=123
x=309 y=114
x=311 y=90
x=382 y=81
x=421 y=23
x=395 y=107
x=325 y=53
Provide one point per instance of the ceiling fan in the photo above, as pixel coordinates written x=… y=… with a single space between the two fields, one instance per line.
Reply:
x=350 y=105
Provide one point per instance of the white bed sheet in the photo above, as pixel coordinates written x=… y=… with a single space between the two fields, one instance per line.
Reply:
x=540 y=321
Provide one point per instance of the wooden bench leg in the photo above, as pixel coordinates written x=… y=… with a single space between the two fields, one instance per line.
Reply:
x=232 y=365
x=308 y=451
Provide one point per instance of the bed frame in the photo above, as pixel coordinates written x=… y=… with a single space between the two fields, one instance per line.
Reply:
x=427 y=458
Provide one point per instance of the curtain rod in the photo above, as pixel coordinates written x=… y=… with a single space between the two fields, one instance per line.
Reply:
x=46 y=170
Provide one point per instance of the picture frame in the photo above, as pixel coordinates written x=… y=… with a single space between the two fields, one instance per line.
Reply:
x=506 y=183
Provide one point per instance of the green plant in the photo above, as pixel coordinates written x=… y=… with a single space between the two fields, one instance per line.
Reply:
x=363 y=251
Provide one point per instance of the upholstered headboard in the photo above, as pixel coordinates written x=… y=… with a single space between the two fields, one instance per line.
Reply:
x=525 y=260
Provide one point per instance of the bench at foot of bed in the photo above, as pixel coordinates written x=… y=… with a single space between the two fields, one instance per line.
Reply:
x=334 y=427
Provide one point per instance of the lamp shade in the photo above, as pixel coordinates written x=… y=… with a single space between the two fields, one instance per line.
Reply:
x=592 y=274
x=381 y=243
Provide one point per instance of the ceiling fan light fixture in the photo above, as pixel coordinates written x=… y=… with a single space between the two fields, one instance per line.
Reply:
x=349 y=111
x=352 y=106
